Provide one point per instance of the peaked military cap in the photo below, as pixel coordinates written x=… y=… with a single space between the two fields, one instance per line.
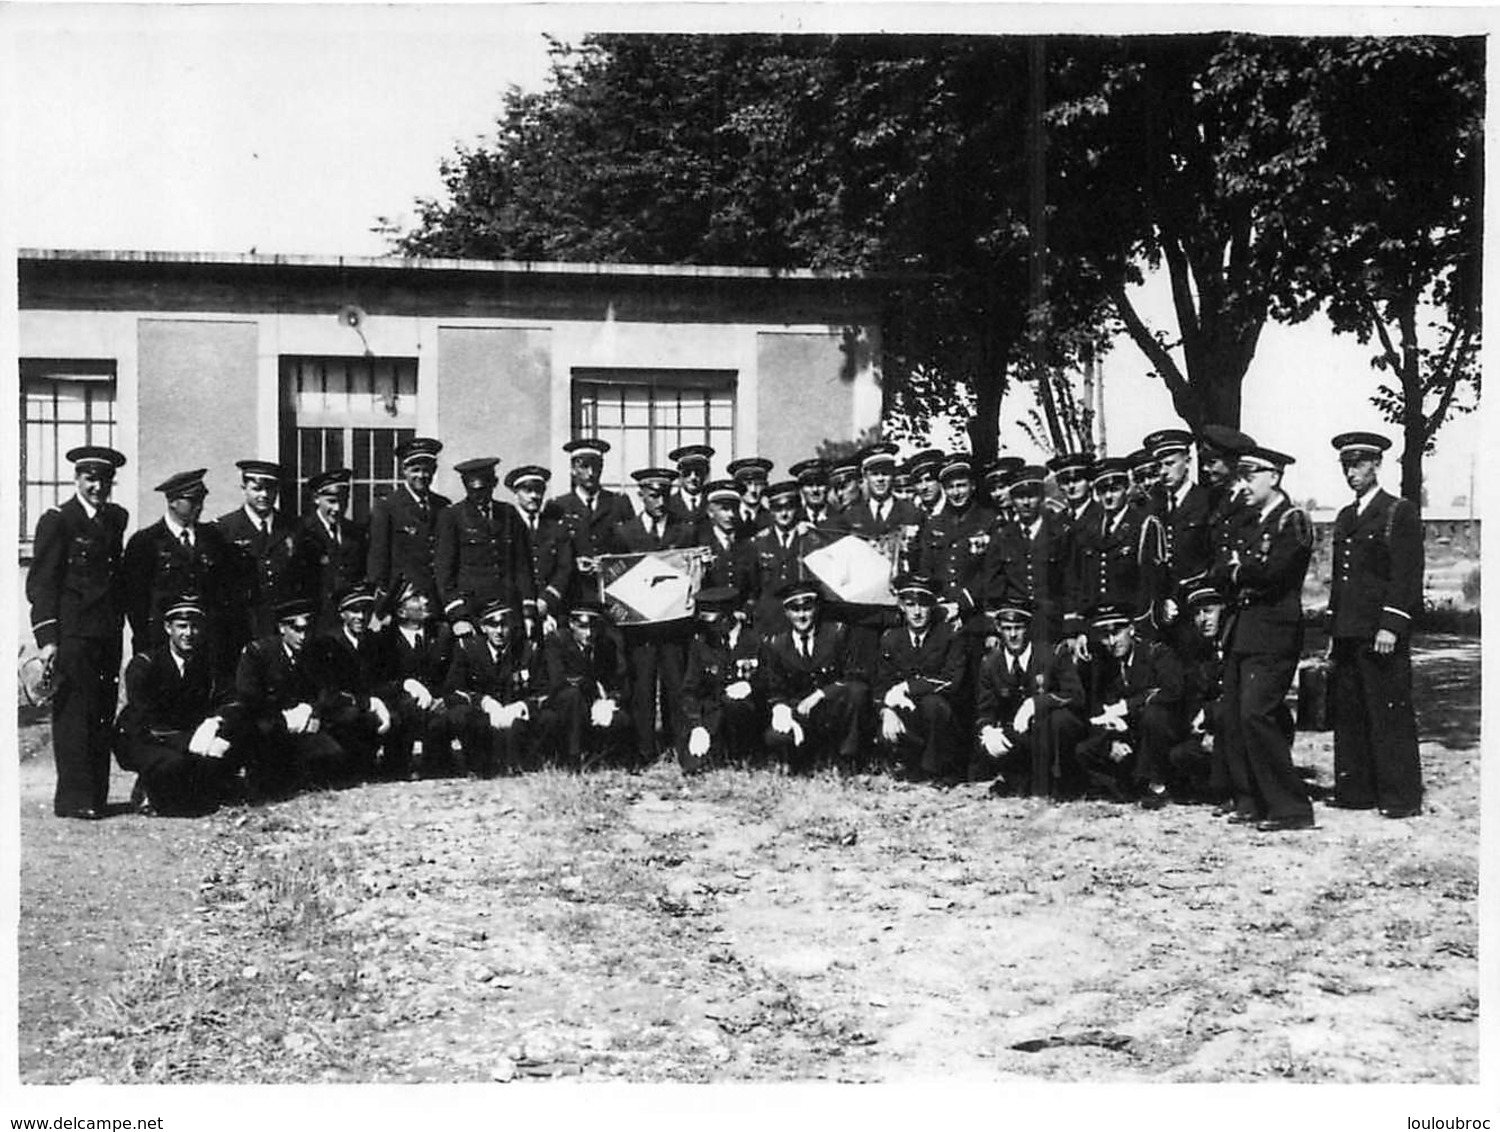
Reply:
x=479 y=465
x=329 y=481
x=258 y=469
x=1165 y=441
x=691 y=454
x=1363 y=443
x=586 y=446
x=750 y=467
x=95 y=456
x=527 y=473
x=810 y=471
x=183 y=484
x=722 y=491
x=419 y=448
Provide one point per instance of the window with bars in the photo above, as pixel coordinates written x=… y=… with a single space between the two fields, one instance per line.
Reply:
x=347 y=413
x=645 y=414
x=65 y=403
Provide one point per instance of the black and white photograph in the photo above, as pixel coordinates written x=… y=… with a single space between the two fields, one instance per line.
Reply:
x=744 y=562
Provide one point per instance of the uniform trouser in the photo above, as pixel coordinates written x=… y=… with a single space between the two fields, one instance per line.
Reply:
x=1375 y=760
x=278 y=762
x=929 y=744
x=1158 y=730
x=1039 y=761
x=410 y=723
x=733 y=727
x=356 y=731
x=86 y=678
x=175 y=780
x=489 y=750
x=570 y=731
x=656 y=656
x=1257 y=748
x=831 y=730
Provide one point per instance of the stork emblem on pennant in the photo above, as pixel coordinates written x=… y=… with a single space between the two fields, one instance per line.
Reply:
x=654 y=586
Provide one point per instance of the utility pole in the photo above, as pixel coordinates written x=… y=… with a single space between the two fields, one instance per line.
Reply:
x=1037 y=137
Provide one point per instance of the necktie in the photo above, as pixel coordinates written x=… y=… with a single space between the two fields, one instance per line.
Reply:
x=655 y=534
x=187 y=539
x=417 y=640
x=805 y=639
x=1015 y=669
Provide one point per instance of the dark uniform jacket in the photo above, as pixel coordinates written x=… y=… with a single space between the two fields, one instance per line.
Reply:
x=569 y=666
x=321 y=566
x=776 y=565
x=1377 y=568
x=633 y=536
x=345 y=673
x=789 y=677
x=750 y=525
x=395 y=660
x=1020 y=568
x=480 y=558
x=589 y=529
x=1001 y=694
x=1266 y=586
x=552 y=559
x=902 y=515
x=1151 y=674
x=694 y=516
x=157 y=568
x=259 y=563
x=1116 y=560
x=951 y=551
x=937 y=665
x=75 y=585
x=268 y=681
x=712 y=665
x=165 y=706
x=403 y=541
x=1185 y=532
x=476 y=672
x=1202 y=677
x=736 y=566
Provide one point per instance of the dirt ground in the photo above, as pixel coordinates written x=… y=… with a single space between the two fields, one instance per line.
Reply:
x=744 y=926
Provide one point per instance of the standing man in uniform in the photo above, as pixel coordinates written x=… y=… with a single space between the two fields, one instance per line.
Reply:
x=688 y=504
x=403 y=525
x=260 y=541
x=552 y=554
x=329 y=556
x=951 y=548
x=1115 y=558
x=844 y=485
x=1025 y=565
x=589 y=512
x=779 y=550
x=920 y=676
x=483 y=551
x=925 y=469
x=75 y=589
x=1074 y=473
x=1268 y=558
x=750 y=475
x=1376 y=591
x=812 y=480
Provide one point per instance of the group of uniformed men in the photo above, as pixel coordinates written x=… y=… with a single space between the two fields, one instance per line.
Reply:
x=1120 y=631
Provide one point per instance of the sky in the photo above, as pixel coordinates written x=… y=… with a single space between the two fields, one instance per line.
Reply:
x=292 y=128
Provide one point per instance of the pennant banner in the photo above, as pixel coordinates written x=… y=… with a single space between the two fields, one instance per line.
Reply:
x=647 y=588
x=852 y=569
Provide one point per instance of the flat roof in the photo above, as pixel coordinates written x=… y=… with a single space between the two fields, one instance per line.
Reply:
x=396 y=263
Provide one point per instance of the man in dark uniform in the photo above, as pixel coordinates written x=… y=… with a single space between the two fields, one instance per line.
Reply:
x=483 y=550
x=879 y=513
x=1218 y=451
x=925 y=469
x=1074 y=473
x=353 y=706
x=329 y=552
x=552 y=553
x=490 y=694
x=1182 y=507
x=403 y=525
x=1134 y=690
x=655 y=652
x=172 y=731
x=1264 y=572
x=816 y=692
x=260 y=540
x=751 y=474
x=177 y=555
x=1145 y=474
x=812 y=480
x=688 y=503
x=1115 y=558
x=411 y=657
x=1376 y=591
x=845 y=489
x=77 y=602
x=588 y=511
x=732 y=561
x=952 y=544
x=281 y=700
x=721 y=715
x=998 y=477
x=779 y=550
x=587 y=685
x=1029 y=711
x=1025 y=564
x=1201 y=651
x=919 y=678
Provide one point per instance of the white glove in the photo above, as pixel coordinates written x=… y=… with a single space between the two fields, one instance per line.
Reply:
x=217 y=748
x=781 y=719
x=891 y=727
x=1118 y=751
x=1112 y=718
x=382 y=713
x=1079 y=646
x=797 y=734
x=698 y=742
x=805 y=708
x=739 y=690
x=994 y=741
x=493 y=712
x=519 y=711
x=206 y=733
x=549 y=624
x=900 y=696
x=1199 y=723
x=462 y=628
x=299 y=719
x=950 y=610
x=1169 y=610
x=417 y=691
x=1024 y=715
x=602 y=713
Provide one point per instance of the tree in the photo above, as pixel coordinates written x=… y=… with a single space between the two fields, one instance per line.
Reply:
x=900 y=157
x=1396 y=223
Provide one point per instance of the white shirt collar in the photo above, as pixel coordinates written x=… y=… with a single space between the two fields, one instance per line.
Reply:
x=1363 y=501
x=1182 y=489
x=88 y=508
x=177 y=528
